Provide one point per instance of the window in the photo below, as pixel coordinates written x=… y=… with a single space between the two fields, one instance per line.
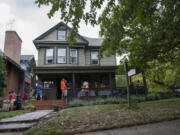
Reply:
x=49 y=56
x=48 y=84
x=61 y=55
x=94 y=57
x=62 y=35
x=73 y=56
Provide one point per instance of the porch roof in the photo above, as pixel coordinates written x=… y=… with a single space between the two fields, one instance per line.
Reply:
x=74 y=69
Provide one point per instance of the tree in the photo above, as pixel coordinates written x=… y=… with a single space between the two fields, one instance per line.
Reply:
x=2 y=76
x=147 y=30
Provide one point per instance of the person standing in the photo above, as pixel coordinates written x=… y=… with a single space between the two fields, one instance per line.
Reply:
x=39 y=89
x=12 y=99
x=63 y=89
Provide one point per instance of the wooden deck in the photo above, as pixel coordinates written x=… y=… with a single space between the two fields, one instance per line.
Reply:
x=49 y=104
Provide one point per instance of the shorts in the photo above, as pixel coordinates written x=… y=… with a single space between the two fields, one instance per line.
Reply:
x=64 y=92
x=39 y=93
x=12 y=101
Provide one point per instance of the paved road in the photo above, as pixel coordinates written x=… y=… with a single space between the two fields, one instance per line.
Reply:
x=163 y=128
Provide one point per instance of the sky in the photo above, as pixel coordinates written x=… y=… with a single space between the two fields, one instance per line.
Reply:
x=30 y=21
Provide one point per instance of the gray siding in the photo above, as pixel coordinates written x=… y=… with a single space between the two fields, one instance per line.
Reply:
x=53 y=37
x=41 y=59
x=41 y=54
x=108 y=61
x=105 y=61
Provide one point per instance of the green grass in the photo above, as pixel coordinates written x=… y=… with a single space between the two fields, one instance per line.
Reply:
x=10 y=114
x=99 y=117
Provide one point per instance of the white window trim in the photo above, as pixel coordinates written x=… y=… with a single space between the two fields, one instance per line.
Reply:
x=62 y=56
x=71 y=56
x=52 y=56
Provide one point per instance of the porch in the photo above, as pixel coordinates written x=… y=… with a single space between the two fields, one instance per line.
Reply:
x=101 y=81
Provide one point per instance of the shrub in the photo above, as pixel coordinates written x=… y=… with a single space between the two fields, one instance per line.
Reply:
x=76 y=103
x=29 y=107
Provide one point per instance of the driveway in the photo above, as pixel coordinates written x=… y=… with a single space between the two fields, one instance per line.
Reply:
x=163 y=128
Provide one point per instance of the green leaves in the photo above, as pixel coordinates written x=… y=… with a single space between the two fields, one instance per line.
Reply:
x=2 y=76
x=147 y=30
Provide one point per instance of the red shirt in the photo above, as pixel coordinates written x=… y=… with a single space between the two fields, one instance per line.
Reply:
x=11 y=96
x=63 y=85
x=25 y=96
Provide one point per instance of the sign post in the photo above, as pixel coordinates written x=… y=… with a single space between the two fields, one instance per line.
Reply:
x=127 y=82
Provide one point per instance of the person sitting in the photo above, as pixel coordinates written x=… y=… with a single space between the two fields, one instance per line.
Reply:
x=86 y=88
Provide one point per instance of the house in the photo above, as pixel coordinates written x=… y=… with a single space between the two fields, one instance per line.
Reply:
x=76 y=63
x=11 y=55
x=28 y=62
x=18 y=74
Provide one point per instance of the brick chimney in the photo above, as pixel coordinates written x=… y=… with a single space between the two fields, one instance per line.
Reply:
x=12 y=46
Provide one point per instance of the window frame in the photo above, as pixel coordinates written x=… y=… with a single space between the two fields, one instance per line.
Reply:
x=70 y=56
x=52 y=83
x=64 y=35
x=57 y=55
x=92 y=59
x=45 y=56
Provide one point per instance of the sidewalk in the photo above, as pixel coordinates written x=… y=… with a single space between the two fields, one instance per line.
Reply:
x=162 y=128
x=22 y=122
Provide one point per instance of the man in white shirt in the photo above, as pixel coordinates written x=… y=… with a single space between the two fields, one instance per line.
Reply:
x=86 y=88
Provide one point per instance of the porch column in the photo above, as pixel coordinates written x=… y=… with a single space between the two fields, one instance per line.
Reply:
x=110 y=80
x=74 y=84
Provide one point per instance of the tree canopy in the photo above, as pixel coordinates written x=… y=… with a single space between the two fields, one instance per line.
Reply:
x=146 y=30
x=2 y=75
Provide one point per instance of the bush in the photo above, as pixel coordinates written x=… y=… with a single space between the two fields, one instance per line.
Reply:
x=136 y=99
x=152 y=96
x=76 y=103
x=29 y=107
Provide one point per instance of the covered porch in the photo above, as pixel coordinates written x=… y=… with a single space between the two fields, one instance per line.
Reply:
x=101 y=81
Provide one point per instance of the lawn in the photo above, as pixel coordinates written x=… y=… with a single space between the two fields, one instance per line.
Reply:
x=10 y=114
x=99 y=117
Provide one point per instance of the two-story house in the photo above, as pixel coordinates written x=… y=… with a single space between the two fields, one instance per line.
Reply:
x=76 y=63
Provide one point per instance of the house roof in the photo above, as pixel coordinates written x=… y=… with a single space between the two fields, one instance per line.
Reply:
x=90 y=41
x=94 y=41
x=11 y=61
x=55 y=27
x=27 y=57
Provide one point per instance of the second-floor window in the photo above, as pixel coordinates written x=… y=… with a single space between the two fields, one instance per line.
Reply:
x=94 y=57
x=49 y=56
x=73 y=56
x=61 y=55
x=62 y=35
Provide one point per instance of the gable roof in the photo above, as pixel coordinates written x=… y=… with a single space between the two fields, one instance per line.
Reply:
x=11 y=61
x=54 y=28
x=27 y=57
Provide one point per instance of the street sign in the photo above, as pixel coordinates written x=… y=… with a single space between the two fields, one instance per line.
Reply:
x=131 y=72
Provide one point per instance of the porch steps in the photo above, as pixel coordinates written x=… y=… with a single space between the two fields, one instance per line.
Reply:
x=49 y=104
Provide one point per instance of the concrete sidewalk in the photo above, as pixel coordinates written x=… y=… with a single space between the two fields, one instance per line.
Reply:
x=22 y=122
x=162 y=128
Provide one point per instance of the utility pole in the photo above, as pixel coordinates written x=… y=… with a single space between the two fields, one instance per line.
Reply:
x=127 y=82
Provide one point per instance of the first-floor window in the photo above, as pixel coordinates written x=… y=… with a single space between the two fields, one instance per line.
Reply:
x=94 y=57
x=73 y=56
x=61 y=55
x=48 y=84
x=49 y=56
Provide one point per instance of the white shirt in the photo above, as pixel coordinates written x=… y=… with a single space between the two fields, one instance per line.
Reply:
x=85 y=84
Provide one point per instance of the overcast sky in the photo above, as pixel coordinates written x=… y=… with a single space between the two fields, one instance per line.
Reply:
x=30 y=21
